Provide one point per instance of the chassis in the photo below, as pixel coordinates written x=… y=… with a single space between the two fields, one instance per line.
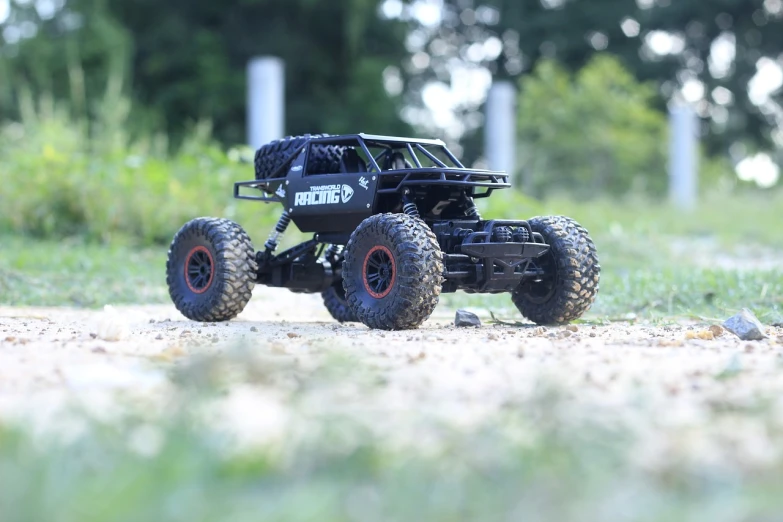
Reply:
x=394 y=224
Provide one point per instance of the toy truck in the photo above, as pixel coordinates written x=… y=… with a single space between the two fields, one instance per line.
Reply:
x=394 y=224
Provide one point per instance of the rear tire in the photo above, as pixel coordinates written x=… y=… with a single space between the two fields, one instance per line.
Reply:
x=393 y=272
x=570 y=284
x=337 y=304
x=324 y=159
x=211 y=269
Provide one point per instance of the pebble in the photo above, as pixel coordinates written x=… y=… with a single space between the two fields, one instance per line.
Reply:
x=463 y=318
x=746 y=326
x=717 y=330
x=704 y=335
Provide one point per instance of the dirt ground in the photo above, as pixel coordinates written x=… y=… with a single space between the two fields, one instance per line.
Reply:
x=663 y=377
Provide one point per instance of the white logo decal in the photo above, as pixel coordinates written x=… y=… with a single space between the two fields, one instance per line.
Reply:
x=280 y=192
x=363 y=182
x=296 y=168
x=324 y=195
x=347 y=193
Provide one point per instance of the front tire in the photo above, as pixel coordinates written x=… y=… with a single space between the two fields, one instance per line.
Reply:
x=571 y=274
x=211 y=269
x=393 y=272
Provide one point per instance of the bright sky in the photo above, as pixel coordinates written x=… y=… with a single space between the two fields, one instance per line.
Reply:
x=768 y=79
x=759 y=168
x=5 y=9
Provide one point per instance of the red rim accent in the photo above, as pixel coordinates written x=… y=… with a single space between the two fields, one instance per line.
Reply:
x=386 y=292
x=188 y=258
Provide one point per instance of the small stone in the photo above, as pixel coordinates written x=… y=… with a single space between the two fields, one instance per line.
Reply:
x=704 y=335
x=492 y=337
x=10 y=339
x=152 y=321
x=746 y=326
x=292 y=335
x=717 y=330
x=465 y=318
x=184 y=333
x=99 y=349
x=93 y=335
x=112 y=325
x=572 y=328
x=253 y=329
x=159 y=337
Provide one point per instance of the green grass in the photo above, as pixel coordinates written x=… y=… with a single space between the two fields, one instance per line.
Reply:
x=674 y=292
x=74 y=273
x=656 y=262
x=659 y=262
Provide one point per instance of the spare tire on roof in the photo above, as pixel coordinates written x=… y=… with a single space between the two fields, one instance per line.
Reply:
x=272 y=159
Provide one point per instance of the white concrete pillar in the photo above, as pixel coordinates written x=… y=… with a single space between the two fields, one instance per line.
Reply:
x=500 y=128
x=683 y=156
x=265 y=100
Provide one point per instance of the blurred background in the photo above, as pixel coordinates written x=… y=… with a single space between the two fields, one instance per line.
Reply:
x=122 y=119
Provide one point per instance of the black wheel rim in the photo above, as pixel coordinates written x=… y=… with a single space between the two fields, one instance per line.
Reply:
x=199 y=270
x=379 y=272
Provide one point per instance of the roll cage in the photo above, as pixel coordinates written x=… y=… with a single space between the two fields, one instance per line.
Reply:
x=425 y=162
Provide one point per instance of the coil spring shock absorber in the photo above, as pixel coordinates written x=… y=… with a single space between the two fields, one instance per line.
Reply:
x=469 y=205
x=408 y=206
x=280 y=228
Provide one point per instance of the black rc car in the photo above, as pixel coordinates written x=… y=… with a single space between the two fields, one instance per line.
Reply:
x=394 y=225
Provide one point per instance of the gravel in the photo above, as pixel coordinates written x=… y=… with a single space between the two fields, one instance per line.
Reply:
x=663 y=379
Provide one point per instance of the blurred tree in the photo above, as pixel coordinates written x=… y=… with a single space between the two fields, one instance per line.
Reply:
x=595 y=132
x=706 y=51
x=186 y=59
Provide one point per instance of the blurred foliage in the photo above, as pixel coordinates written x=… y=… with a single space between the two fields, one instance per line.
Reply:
x=718 y=43
x=185 y=61
x=596 y=132
x=190 y=64
x=63 y=177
